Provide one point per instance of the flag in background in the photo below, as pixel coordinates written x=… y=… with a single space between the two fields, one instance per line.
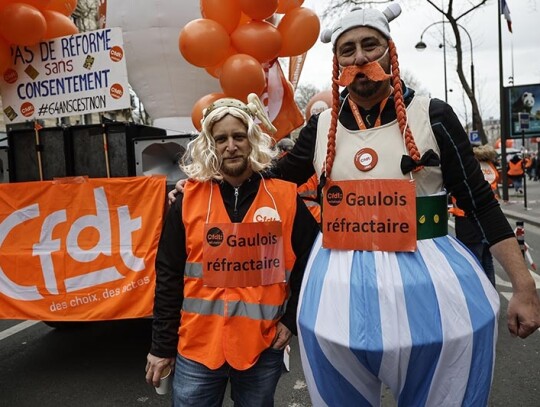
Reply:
x=279 y=100
x=506 y=11
x=296 y=63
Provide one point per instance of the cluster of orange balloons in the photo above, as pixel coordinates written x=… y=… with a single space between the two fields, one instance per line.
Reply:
x=236 y=38
x=27 y=22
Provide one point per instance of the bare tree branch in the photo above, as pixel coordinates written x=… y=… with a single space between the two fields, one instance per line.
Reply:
x=303 y=94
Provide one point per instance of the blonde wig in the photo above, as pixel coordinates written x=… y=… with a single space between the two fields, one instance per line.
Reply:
x=201 y=162
x=485 y=153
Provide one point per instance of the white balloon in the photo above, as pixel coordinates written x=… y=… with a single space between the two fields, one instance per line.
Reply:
x=166 y=83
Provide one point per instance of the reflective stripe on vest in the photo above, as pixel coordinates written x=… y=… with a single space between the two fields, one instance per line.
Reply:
x=233 y=309
x=309 y=193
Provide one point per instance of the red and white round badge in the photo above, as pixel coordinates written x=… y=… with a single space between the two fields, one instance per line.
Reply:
x=366 y=159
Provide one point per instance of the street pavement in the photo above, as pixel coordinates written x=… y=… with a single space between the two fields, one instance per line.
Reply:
x=515 y=209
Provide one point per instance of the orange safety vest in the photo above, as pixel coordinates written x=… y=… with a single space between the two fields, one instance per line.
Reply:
x=491 y=175
x=528 y=163
x=232 y=325
x=308 y=192
x=515 y=169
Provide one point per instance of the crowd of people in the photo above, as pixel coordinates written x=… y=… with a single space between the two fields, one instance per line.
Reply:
x=377 y=290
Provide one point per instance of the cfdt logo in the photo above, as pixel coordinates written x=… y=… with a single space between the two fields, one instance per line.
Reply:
x=334 y=195
x=214 y=237
x=117 y=91
x=116 y=53
x=366 y=159
x=10 y=76
x=27 y=109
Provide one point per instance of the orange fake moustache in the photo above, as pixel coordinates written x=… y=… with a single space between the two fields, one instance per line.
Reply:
x=372 y=70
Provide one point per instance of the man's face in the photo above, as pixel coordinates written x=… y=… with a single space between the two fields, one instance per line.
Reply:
x=358 y=46
x=232 y=145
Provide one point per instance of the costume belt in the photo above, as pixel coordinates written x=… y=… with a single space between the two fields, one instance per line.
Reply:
x=431 y=216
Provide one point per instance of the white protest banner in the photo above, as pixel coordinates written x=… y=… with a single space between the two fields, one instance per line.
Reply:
x=72 y=75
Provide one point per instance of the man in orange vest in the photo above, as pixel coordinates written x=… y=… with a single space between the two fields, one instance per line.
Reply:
x=229 y=266
x=515 y=172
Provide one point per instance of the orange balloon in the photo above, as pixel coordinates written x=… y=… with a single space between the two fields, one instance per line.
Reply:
x=241 y=75
x=259 y=39
x=299 y=30
x=200 y=105
x=4 y=3
x=258 y=9
x=58 y=25
x=318 y=103
x=21 y=24
x=5 y=56
x=285 y=6
x=203 y=42
x=225 y=12
x=244 y=19
x=66 y=7
x=39 y=4
x=215 y=70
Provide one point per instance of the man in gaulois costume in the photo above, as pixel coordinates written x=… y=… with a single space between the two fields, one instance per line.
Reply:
x=388 y=296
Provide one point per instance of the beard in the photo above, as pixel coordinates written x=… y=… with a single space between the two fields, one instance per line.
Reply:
x=366 y=88
x=234 y=168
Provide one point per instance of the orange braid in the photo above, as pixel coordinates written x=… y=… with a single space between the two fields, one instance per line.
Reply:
x=331 y=146
x=401 y=112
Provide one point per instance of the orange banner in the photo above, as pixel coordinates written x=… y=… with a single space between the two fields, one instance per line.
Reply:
x=243 y=254
x=79 y=249
x=296 y=63
x=369 y=215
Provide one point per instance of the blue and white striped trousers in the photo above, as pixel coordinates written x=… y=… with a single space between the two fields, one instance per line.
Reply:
x=422 y=323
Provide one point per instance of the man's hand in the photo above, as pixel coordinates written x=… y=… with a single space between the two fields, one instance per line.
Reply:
x=282 y=338
x=523 y=313
x=154 y=367
x=179 y=187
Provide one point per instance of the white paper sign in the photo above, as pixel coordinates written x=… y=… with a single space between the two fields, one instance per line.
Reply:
x=72 y=75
